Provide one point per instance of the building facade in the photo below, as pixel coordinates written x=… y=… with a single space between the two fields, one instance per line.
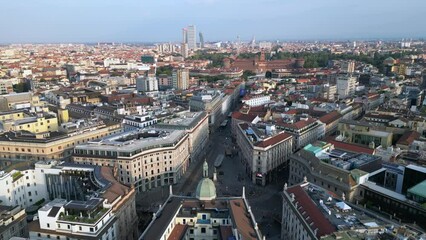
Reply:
x=145 y=158
x=263 y=150
x=180 y=79
x=346 y=86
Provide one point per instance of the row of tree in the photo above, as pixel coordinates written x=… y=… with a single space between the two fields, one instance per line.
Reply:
x=321 y=59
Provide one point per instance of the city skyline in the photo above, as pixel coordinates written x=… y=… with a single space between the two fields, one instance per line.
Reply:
x=90 y=22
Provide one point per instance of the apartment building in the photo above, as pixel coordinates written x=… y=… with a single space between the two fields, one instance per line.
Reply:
x=145 y=158
x=196 y=125
x=16 y=101
x=312 y=212
x=13 y=222
x=42 y=122
x=86 y=203
x=263 y=150
x=346 y=86
x=336 y=170
x=180 y=79
x=306 y=130
x=209 y=101
x=22 y=146
x=256 y=100
x=331 y=121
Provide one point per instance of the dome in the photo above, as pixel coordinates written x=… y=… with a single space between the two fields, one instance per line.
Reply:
x=206 y=189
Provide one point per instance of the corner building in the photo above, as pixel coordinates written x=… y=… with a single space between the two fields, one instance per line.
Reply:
x=146 y=158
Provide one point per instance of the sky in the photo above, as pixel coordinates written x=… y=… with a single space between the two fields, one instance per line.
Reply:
x=67 y=21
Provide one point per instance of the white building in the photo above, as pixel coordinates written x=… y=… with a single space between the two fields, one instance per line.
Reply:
x=133 y=122
x=110 y=212
x=147 y=84
x=22 y=188
x=256 y=100
x=346 y=86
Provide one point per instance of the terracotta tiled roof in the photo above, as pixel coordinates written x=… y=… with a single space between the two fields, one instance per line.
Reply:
x=316 y=218
x=408 y=138
x=243 y=117
x=330 y=117
x=298 y=125
x=178 y=232
x=274 y=140
x=242 y=221
x=350 y=147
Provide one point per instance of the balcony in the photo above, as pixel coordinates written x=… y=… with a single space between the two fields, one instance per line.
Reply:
x=203 y=221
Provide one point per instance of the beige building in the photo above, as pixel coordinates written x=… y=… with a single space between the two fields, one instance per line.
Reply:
x=180 y=79
x=145 y=158
x=328 y=92
x=263 y=150
x=364 y=133
x=19 y=146
x=16 y=101
x=196 y=124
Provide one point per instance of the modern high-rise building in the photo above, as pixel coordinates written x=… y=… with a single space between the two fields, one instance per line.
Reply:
x=201 y=40
x=190 y=37
x=184 y=35
x=180 y=78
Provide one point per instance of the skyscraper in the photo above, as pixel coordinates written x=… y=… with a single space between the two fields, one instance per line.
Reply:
x=184 y=35
x=201 y=40
x=191 y=37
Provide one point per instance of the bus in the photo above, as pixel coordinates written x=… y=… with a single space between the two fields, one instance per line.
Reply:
x=218 y=161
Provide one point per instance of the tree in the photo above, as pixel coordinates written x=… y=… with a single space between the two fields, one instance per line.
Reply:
x=247 y=73
x=268 y=74
x=21 y=87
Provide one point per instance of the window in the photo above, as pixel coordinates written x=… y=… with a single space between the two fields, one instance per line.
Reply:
x=203 y=230
x=48 y=225
x=191 y=231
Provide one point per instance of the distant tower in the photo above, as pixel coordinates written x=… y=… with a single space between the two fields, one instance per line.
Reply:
x=184 y=35
x=184 y=50
x=253 y=42
x=238 y=44
x=262 y=56
x=191 y=37
x=201 y=40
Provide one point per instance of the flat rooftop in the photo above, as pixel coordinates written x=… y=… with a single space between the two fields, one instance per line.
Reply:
x=133 y=141
x=340 y=214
